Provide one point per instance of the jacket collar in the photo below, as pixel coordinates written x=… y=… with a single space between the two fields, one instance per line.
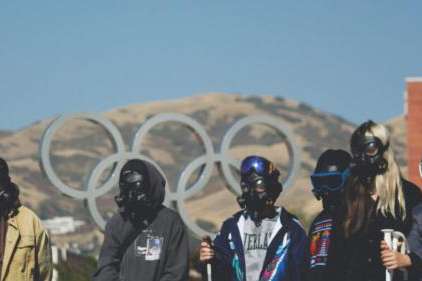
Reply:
x=278 y=236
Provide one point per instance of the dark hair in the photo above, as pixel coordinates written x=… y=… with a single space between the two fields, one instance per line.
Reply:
x=357 y=207
x=10 y=189
x=333 y=157
x=4 y=173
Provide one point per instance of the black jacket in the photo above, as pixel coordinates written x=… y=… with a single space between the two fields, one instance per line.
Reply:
x=154 y=248
x=357 y=258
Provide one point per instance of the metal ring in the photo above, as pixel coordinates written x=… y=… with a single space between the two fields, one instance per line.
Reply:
x=279 y=126
x=208 y=159
x=191 y=124
x=92 y=195
x=48 y=137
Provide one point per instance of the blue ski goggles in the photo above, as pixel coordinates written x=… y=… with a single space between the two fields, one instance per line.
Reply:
x=254 y=164
x=329 y=181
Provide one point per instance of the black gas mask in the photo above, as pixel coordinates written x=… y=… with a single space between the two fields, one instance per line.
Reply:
x=368 y=153
x=134 y=188
x=4 y=197
x=259 y=184
x=8 y=190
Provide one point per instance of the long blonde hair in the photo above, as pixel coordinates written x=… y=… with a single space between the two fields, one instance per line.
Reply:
x=388 y=185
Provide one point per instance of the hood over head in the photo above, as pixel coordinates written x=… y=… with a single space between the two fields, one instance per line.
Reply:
x=153 y=182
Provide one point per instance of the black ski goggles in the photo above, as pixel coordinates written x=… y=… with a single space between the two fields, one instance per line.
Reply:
x=329 y=181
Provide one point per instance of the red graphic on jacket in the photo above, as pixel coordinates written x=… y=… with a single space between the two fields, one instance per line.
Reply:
x=320 y=242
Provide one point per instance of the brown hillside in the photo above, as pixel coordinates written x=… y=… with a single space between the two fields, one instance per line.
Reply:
x=79 y=145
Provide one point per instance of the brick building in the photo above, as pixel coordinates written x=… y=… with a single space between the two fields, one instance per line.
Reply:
x=413 y=113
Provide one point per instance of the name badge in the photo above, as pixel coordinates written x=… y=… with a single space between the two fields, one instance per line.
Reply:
x=153 y=249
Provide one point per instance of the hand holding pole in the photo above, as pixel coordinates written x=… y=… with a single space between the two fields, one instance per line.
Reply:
x=388 y=237
x=207 y=240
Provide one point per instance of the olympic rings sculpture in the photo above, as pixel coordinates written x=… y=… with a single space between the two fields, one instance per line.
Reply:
x=177 y=199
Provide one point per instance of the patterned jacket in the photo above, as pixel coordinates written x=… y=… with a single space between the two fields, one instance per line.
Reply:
x=321 y=234
x=286 y=257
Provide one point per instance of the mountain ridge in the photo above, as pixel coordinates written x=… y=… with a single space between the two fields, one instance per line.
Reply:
x=79 y=145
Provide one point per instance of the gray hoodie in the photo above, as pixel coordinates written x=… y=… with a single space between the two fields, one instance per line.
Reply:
x=154 y=248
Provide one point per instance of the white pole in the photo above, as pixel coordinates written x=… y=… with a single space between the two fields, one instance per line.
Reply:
x=209 y=272
x=388 y=233
x=208 y=240
x=397 y=235
x=420 y=168
x=55 y=276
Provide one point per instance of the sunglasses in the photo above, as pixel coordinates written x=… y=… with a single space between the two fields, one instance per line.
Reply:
x=329 y=181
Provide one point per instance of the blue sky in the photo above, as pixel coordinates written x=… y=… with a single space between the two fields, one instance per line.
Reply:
x=344 y=57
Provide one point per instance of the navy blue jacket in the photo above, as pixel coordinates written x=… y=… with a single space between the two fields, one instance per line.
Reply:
x=286 y=258
x=415 y=241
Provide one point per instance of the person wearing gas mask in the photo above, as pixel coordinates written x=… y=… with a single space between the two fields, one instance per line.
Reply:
x=415 y=242
x=260 y=242
x=144 y=240
x=25 y=251
x=415 y=237
x=328 y=180
x=376 y=198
